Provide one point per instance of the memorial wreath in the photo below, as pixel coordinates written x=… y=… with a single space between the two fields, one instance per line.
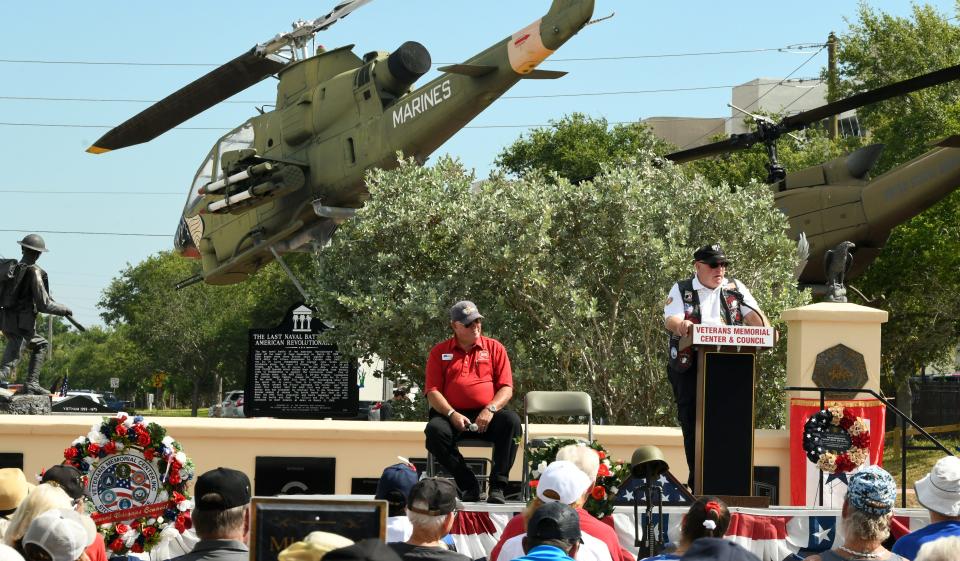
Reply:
x=136 y=480
x=836 y=440
x=610 y=476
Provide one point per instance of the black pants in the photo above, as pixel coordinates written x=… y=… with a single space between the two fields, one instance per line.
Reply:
x=503 y=431
x=685 y=394
x=17 y=341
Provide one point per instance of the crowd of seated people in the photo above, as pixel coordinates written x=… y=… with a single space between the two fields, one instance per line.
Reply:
x=47 y=521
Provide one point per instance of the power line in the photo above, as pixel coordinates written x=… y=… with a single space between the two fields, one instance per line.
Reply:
x=108 y=100
x=66 y=125
x=133 y=234
x=42 y=192
x=73 y=126
x=764 y=94
x=542 y=96
x=787 y=48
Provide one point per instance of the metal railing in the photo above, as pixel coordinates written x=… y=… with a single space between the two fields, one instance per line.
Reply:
x=903 y=419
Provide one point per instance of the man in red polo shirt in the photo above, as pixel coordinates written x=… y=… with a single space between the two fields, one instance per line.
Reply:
x=468 y=383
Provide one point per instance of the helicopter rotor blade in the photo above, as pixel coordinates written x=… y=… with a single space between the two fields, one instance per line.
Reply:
x=732 y=144
x=303 y=31
x=770 y=132
x=942 y=76
x=189 y=101
x=339 y=12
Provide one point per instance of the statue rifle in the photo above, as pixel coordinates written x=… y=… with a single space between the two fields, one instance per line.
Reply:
x=76 y=324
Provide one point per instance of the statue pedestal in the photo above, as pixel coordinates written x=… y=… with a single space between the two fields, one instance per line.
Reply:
x=26 y=405
x=831 y=345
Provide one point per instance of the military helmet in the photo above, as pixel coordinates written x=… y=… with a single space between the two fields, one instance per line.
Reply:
x=34 y=242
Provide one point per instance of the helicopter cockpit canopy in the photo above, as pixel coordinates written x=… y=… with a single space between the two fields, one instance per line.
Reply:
x=239 y=138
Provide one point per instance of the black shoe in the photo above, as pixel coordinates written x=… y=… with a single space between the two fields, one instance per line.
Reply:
x=496 y=496
x=471 y=496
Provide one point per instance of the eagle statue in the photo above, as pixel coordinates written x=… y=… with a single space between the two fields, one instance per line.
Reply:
x=836 y=264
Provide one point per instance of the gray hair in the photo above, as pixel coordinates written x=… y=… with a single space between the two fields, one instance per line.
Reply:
x=943 y=549
x=427 y=522
x=866 y=526
x=213 y=524
x=585 y=458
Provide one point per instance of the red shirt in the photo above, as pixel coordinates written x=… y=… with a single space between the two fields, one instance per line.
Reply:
x=468 y=379
x=588 y=525
x=97 y=551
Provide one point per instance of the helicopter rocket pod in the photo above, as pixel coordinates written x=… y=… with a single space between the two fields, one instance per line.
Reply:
x=285 y=179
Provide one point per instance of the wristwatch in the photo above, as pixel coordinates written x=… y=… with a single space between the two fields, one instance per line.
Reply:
x=451 y=412
x=492 y=408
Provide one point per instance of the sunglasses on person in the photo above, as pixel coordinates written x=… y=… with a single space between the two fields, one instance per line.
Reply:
x=723 y=264
x=477 y=321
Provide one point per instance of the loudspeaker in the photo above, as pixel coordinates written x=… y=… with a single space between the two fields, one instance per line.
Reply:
x=11 y=460
x=364 y=485
x=766 y=483
x=276 y=475
x=477 y=465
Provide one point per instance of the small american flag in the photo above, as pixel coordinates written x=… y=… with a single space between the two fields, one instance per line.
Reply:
x=64 y=386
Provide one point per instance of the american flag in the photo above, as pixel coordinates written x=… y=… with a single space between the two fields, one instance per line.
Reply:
x=64 y=386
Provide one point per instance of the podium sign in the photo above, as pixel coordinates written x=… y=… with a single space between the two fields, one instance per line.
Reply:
x=725 y=406
x=733 y=335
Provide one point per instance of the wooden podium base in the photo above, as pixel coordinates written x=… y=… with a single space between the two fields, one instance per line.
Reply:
x=725 y=422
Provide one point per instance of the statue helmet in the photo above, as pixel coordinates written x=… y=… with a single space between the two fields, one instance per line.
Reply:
x=34 y=242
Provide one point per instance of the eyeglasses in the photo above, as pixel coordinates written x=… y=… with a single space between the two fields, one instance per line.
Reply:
x=477 y=321
x=723 y=264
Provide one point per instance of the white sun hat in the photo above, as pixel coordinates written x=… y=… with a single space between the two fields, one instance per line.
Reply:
x=939 y=490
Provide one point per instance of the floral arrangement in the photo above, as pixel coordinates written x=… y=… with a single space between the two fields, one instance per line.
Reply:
x=836 y=424
x=610 y=476
x=169 y=515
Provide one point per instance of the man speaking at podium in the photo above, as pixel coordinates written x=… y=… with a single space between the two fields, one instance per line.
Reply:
x=711 y=299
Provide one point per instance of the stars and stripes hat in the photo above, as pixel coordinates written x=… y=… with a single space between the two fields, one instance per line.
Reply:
x=872 y=491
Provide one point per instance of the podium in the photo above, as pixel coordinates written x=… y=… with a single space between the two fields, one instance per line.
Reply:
x=726 y=378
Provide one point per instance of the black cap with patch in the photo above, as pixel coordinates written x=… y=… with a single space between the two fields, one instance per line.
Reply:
x=554 y=521
x=440 y=496
x=465 y=312
x=221 y=489
x=710 y=254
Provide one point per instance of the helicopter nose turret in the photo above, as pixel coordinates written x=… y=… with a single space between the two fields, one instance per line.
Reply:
x=183 y=241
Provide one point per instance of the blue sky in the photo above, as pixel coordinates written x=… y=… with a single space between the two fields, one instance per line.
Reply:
x=142 y=189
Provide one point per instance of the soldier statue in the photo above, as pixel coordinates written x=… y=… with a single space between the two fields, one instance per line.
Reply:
x=24 y=291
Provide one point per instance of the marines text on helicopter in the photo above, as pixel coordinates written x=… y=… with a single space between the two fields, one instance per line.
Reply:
x=286 y=178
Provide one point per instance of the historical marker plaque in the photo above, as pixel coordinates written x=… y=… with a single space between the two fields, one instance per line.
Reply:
x=291 y=374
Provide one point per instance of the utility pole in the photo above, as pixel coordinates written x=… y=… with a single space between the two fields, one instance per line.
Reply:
x=832 y=81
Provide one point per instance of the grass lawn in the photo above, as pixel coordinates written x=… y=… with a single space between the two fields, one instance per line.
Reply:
x=919 y=462
x=202 y=412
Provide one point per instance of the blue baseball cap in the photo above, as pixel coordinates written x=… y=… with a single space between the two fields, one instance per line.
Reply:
x=395 y=484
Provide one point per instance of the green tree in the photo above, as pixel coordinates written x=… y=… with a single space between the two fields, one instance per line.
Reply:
x=572 y=278
x=576 y=146
x=197 y=334
x=915 y=277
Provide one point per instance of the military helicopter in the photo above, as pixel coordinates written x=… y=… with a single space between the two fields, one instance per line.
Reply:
x=285 y=179
x=837 y=201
